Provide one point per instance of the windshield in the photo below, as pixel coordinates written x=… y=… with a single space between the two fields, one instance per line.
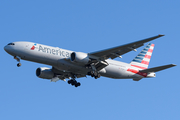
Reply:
x=11 y=44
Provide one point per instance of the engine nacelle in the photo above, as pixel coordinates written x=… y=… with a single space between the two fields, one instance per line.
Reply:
x=44 y=72
x=80 y=57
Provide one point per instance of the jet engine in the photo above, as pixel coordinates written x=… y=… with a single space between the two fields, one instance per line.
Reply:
x=80 y=57
x=44 y=72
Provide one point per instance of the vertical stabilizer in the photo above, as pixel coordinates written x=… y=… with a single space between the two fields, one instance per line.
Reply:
x=141 y=61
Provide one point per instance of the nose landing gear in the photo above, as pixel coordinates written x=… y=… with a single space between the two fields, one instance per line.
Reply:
x=19 y=64
x=18 y=59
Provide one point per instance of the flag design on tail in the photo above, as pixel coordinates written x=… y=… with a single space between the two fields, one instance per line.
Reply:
x=141 y=61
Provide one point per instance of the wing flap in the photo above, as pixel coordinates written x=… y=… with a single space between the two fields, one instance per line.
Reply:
x=101 y=65
x=65 y=74
x=156 y=69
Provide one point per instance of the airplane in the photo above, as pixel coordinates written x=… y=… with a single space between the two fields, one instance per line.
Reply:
x=70 y=65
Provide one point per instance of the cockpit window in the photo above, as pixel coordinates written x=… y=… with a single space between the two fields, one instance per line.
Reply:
x=11 y=44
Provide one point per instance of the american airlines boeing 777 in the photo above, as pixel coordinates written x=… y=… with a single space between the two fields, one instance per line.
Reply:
x=70 y=65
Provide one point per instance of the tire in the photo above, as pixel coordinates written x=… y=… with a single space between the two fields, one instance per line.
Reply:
x=79 y=84
x=95 y=73
x=19 y=64
x=99 y=75
x=69 y=81
x=73 y=83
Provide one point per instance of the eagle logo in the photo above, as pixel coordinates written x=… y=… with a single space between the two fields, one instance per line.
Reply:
x=33 y=47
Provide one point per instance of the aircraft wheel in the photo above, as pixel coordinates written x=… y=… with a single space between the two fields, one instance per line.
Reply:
x=69 y=81
x=92 y=73
x=19 y=64
x=99 y=75
x=95 y=73
x=78 y=83
x=73 y=82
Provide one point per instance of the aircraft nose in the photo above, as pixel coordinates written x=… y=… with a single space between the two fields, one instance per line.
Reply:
x=6 y=48
x=10 y=49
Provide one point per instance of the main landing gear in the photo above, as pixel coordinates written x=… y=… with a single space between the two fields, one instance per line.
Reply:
x=74 y=82
x=18 y=59
x=94 y=74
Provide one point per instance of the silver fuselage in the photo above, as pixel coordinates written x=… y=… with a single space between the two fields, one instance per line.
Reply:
x=60 y=59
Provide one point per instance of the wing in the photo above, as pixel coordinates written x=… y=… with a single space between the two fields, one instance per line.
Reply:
x=62 y=75
x=120 y=50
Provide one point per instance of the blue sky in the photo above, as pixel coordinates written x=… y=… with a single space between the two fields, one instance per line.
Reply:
x=89 y=26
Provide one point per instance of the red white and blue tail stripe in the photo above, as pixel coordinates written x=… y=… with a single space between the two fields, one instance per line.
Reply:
x=141 y=61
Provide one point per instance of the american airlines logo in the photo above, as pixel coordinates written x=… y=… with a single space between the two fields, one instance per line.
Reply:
x=53 y=51
x=33 y=47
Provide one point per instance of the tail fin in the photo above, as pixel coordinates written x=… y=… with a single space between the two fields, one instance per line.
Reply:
x=142 y=60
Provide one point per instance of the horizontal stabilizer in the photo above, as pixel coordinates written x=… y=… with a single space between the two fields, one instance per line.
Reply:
x=156 y=69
